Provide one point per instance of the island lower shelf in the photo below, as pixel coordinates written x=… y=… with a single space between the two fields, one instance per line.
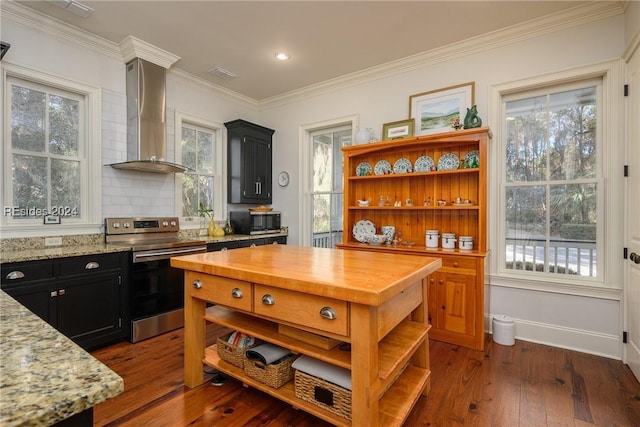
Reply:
x=393 y=407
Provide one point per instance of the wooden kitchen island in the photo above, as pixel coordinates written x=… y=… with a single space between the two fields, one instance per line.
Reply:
x=376 y=302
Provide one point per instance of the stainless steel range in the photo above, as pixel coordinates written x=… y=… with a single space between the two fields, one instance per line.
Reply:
x=156 y=288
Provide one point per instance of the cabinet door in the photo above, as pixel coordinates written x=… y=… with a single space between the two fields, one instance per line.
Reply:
x=256 y=173
x=37 y=298
x=89 y=309
x=452 y=302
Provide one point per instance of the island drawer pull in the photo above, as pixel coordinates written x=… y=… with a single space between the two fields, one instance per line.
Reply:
x=236 y=293
x=91 y=265
x=17 y=274
x=197 y=284
x=328 y=313
x=268 y=299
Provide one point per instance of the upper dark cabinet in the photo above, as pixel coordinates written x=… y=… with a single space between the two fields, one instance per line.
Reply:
x=249 y=162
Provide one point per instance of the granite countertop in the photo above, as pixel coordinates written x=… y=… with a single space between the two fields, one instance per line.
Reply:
x=44 y=376
x=33 y=254
x=77 y=247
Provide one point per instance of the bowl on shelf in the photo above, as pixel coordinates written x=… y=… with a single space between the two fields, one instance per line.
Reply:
x=376 y=239
x=363 y=203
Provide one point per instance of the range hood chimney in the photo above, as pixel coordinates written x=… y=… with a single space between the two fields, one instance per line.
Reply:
x=146 y=119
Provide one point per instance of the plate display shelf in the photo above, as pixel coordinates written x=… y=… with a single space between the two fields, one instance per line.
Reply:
x=462 y=274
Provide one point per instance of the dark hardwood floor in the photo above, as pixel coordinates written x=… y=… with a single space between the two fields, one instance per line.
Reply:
x=525 y=385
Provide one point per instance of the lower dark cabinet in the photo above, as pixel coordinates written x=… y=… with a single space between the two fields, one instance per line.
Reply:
x=82 y=297
x=259 y=241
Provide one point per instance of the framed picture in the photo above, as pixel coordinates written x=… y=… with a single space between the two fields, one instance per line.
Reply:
x=436 y=110
x=399 y=129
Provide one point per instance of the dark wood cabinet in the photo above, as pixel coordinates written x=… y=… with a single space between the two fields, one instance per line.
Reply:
x=249 y=162
x=83 y=297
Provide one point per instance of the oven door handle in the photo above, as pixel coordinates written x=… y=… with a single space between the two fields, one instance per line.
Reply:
x=140 y=256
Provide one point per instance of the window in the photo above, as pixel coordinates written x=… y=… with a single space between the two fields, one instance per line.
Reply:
x=47 y=152
x=200 y=184
x=552 y=181
x=326 y=184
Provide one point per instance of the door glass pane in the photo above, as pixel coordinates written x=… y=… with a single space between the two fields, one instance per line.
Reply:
x=322 y=163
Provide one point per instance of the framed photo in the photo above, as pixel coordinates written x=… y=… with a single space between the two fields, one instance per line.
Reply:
x=399 y=129
x=436 y=110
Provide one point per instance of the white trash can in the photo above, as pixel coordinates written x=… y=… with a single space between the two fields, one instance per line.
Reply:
x=503 y=330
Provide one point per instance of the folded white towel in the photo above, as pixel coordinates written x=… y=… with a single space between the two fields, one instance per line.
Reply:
x=326 y=371
x=267 y=353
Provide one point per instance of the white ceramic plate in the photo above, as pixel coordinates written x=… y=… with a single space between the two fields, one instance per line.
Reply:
x=382 y=167
x=363 y=229
x=472 y=159
x=363 y=169
x=423 y=164
x=448 y=161
x=402 y=165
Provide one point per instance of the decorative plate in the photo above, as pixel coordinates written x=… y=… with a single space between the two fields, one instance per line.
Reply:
x=363 y=169
x=402 y=165
x=448 y=161
x=363 y=229
x=423 y=164
x=472 y=159
x=382 y=167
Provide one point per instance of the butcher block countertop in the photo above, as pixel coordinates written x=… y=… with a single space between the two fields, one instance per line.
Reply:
x=45 y=377
x=354 y=276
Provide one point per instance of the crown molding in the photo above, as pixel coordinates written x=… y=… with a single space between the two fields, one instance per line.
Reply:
x=132 y=47
x=200 y=84
x=579 y=15
x=54 y=27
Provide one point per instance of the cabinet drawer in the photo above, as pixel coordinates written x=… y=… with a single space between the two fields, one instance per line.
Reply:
x=26 y=272
x=461 y=265
x=220 y=290
x=302 y=309
x=89 y=264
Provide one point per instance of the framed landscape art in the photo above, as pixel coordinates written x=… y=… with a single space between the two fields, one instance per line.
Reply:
x=436 y=110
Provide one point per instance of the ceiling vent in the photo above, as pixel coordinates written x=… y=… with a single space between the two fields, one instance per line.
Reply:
x=222 y=73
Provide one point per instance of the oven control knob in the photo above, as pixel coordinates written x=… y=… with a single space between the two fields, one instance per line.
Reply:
x=116 y=225
x=126 y=225
x=197 y=284
x=173 y=223
x=165 y=224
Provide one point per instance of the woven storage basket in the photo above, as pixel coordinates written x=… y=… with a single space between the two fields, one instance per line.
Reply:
x=323 y=393
x=273 y=375
x=231 y=353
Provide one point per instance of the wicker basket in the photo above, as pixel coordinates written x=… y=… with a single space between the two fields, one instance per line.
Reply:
x=323 y=393
x=273 y=375
x=231 y=353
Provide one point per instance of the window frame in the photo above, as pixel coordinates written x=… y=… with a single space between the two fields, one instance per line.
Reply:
x=611 y=155
x=90 y=155
x=219 y=178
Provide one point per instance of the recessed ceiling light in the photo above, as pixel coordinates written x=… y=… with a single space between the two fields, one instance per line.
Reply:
x=282 y=56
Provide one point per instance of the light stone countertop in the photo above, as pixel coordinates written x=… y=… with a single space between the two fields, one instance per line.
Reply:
x=33 y=254
x=44 y=376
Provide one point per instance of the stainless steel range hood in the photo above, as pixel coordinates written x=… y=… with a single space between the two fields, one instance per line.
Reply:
x=146 y=119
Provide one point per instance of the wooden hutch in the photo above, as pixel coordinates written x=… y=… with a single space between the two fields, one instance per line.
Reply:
x=387 y=174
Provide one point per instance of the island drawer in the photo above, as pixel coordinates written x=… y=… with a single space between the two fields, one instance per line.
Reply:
x=220 y=290
x=323 y=314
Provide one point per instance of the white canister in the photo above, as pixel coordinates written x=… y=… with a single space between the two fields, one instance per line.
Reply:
x=448 y=240
x=465 y=243
x=431 y=238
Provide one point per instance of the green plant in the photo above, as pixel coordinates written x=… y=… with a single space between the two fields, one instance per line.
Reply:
x=202 y=211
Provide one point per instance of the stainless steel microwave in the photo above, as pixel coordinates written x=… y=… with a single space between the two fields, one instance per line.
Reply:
x=247 y=222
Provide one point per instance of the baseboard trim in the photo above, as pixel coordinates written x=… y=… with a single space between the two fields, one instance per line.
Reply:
x=598 y=344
